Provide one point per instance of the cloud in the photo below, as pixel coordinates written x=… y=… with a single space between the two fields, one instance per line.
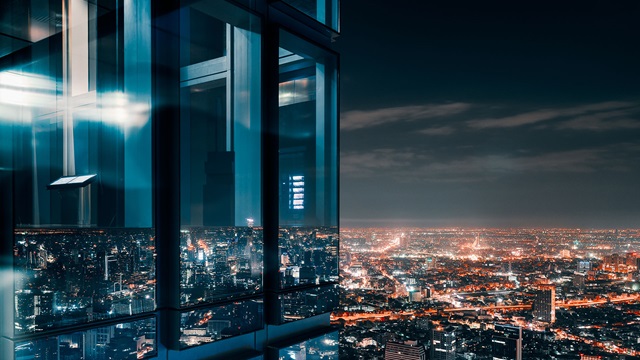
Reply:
x=610 y=120
x=359 y=119
x=442 y=130
x=409 y=165
x=537 y=116
x=359 y=163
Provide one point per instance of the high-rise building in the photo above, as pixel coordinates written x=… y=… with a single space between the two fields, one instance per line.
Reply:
x=579 y=280
x=583 y=266
x=544 y=305
x=408 y=350
x=158 y=161
x=506 y=343
x=443 y=343
x=590 y=357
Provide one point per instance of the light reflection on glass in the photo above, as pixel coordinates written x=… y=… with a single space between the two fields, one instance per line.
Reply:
x=323 y=347
x=211 y=324
x=129 y=340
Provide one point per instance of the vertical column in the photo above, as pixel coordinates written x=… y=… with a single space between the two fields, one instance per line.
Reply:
x=166 y=145
x=270 y=81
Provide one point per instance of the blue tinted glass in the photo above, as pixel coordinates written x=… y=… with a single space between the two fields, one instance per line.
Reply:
x=302 y=304
x=323 y=347
x=211 y=324
x=78 y=107
x=308 y=163
x=324 y=11
x=220 y=132
x=71 y=276
x=129 y=340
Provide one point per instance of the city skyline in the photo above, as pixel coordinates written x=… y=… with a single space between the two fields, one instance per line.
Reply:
x=506 y=294
x=490 y=115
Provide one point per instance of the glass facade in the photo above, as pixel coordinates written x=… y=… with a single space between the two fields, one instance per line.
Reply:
x=211 y=324
x=308 y=163
x=128 y=340
x=302 y=304
x=325 y=11
x=70 y=276
x=81 y=136
x=322 y=347
x=133 y=165
x=220 y=153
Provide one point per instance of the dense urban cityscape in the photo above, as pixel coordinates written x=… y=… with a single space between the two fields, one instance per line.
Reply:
x=73 y=276
x=489 y=294
x=419 y=293
x=70 y=276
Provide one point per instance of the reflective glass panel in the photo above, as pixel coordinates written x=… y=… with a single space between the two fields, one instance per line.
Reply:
x=302 y=304
x=323 y=347
x=324 y=11
x=70 y=276
x=78 y=105
x=211 y=324
x=308 y=241
x=308 y=255
x=219 y=263
x=130 y=340
x=221 y=238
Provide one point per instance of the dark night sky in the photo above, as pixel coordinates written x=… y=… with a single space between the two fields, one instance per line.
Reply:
x=490 y=114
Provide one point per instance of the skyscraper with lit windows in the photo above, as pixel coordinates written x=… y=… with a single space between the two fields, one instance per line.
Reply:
x=544 y=305
x=443 y=343
x=506 y=342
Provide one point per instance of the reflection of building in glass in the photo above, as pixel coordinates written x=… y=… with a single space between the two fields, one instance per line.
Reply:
x=217 y=263
x=104 y=275
x=308 y=255
x=301 y=304
x=141 y=187
x=128 y=340
x=296 y=192
x=321 y=347
x=216 y=323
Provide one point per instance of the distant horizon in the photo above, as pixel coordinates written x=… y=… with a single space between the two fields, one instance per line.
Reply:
x=398 y=223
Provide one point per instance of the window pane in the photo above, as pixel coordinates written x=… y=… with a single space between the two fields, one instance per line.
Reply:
x=71 y=276
x=324 y=347
x=211 y=324
x=308 y=255
x=219 y=263
x=79 y=109
x=221 y=239
x=325 y=11
x=298 y=305
x=307 y=163
x=130 y=340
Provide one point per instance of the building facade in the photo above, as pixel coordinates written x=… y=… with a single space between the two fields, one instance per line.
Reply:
x=506 y=343
x=544 y=305
x=169 y=179
x=443 y=343
x=408 y=350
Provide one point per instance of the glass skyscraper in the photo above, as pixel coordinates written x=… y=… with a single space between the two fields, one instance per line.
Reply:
x=168 y=179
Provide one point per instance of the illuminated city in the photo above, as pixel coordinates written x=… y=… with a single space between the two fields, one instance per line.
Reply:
x=572 y=292
x=67 y=277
